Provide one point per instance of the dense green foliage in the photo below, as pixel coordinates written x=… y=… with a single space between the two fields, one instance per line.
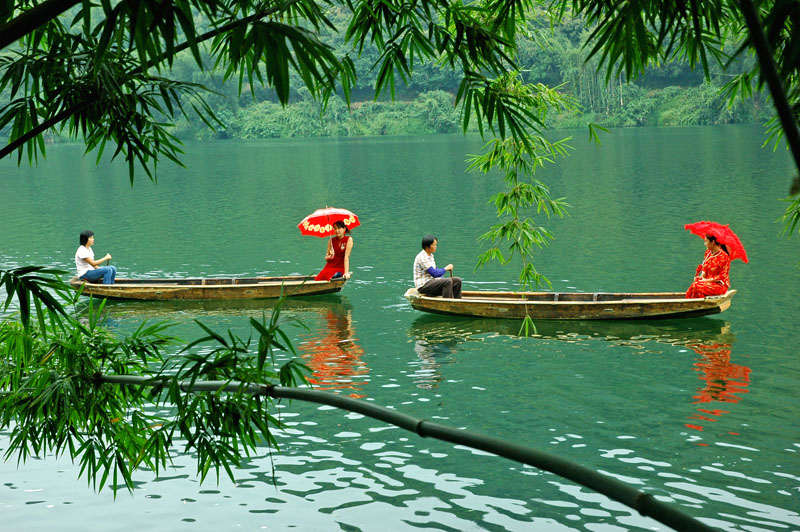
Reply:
x=434 y=112
x=64 y=361
x=553 y=55
x=550 y=53
x=113 y=74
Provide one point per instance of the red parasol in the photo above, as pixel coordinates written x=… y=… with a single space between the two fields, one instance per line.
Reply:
x=723 y=234
x=320 y=222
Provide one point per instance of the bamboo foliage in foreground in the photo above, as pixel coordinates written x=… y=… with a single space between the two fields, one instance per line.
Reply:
x=54 y=401
x=518 y=159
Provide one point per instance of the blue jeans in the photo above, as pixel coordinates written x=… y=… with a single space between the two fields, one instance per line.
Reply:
x=106 y=273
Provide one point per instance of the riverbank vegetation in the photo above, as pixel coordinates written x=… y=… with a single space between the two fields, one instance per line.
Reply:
x=432 y=112
x=671 y=94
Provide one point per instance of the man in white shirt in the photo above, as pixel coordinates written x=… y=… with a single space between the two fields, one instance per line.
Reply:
x=429 y=279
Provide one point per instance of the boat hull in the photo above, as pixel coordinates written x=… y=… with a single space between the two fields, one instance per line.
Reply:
x=208 y=289
x=571 y=306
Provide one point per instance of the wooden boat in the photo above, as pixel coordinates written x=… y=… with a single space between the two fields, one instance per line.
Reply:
x=181 y=309
x=209 y=288
x=571 y=306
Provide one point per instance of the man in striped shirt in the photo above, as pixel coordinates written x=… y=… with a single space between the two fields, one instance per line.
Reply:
x=429 y=279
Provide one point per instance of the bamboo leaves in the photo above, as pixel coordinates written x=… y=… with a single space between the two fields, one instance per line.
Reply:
x=629 y=36
x=517 y=157
x=518 y=161
x=632 y=35
x=91 y=76
x=34 y=282
x=791 y=216
x=118 y=404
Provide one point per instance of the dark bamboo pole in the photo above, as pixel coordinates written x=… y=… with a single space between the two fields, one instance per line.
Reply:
x=35 y=17
x=644 y=503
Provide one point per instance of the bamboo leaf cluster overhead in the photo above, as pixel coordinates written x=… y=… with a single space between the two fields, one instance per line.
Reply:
x=100 y=71
x=630 y=35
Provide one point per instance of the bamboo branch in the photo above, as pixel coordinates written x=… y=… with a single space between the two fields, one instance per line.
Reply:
x=644 y=503
x=51 y=122
x=34 y=18
x=770 y=72
x=44 y=126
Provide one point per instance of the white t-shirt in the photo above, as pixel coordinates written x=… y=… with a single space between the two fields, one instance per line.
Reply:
x=80 y=260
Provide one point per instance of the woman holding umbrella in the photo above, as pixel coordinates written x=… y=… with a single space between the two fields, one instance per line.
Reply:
x=338 y=255
x=722 y=245
x=336 y=223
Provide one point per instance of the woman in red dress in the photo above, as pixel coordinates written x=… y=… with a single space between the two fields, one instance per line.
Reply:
x=711 y=278
x=338 y=255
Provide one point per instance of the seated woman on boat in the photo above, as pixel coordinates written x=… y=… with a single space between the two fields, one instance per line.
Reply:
x=429 y=279
x=88 y=268
x=338 y=255
x=712 y=276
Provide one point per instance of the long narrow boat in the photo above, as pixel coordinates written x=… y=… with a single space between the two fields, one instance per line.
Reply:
x=209 y=288
x=571 y=306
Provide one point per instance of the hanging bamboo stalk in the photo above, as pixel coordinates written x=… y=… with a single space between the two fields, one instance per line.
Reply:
x=770 y=72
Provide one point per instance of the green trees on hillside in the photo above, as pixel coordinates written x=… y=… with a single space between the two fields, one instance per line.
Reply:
x=553 y=54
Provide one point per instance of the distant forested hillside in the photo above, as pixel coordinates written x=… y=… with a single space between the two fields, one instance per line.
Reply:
x=672 y=94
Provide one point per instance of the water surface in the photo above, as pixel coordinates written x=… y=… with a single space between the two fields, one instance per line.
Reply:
x=700 y=412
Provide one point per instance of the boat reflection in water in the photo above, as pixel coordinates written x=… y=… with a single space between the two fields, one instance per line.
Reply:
x=332 y=351
x=180 y=310
x=436 y=341
x=329 y=346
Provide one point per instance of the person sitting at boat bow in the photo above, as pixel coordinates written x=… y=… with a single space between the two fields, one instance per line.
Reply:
x=428 y=279
x=89 y=269
x=337 y=255
x=712 y=276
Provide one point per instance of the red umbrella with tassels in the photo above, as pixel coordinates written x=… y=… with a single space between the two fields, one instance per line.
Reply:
x=723 y=234
x=320 y=222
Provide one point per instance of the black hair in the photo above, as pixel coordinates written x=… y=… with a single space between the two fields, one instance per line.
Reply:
x=85 y=236
x=339 y=223
x=712 y=238
x=427 y=241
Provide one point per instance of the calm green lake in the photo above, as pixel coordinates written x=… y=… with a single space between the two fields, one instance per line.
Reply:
x=700 y=412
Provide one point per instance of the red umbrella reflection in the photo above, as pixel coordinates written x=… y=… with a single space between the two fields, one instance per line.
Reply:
x=724 y=382
x=334 y=355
